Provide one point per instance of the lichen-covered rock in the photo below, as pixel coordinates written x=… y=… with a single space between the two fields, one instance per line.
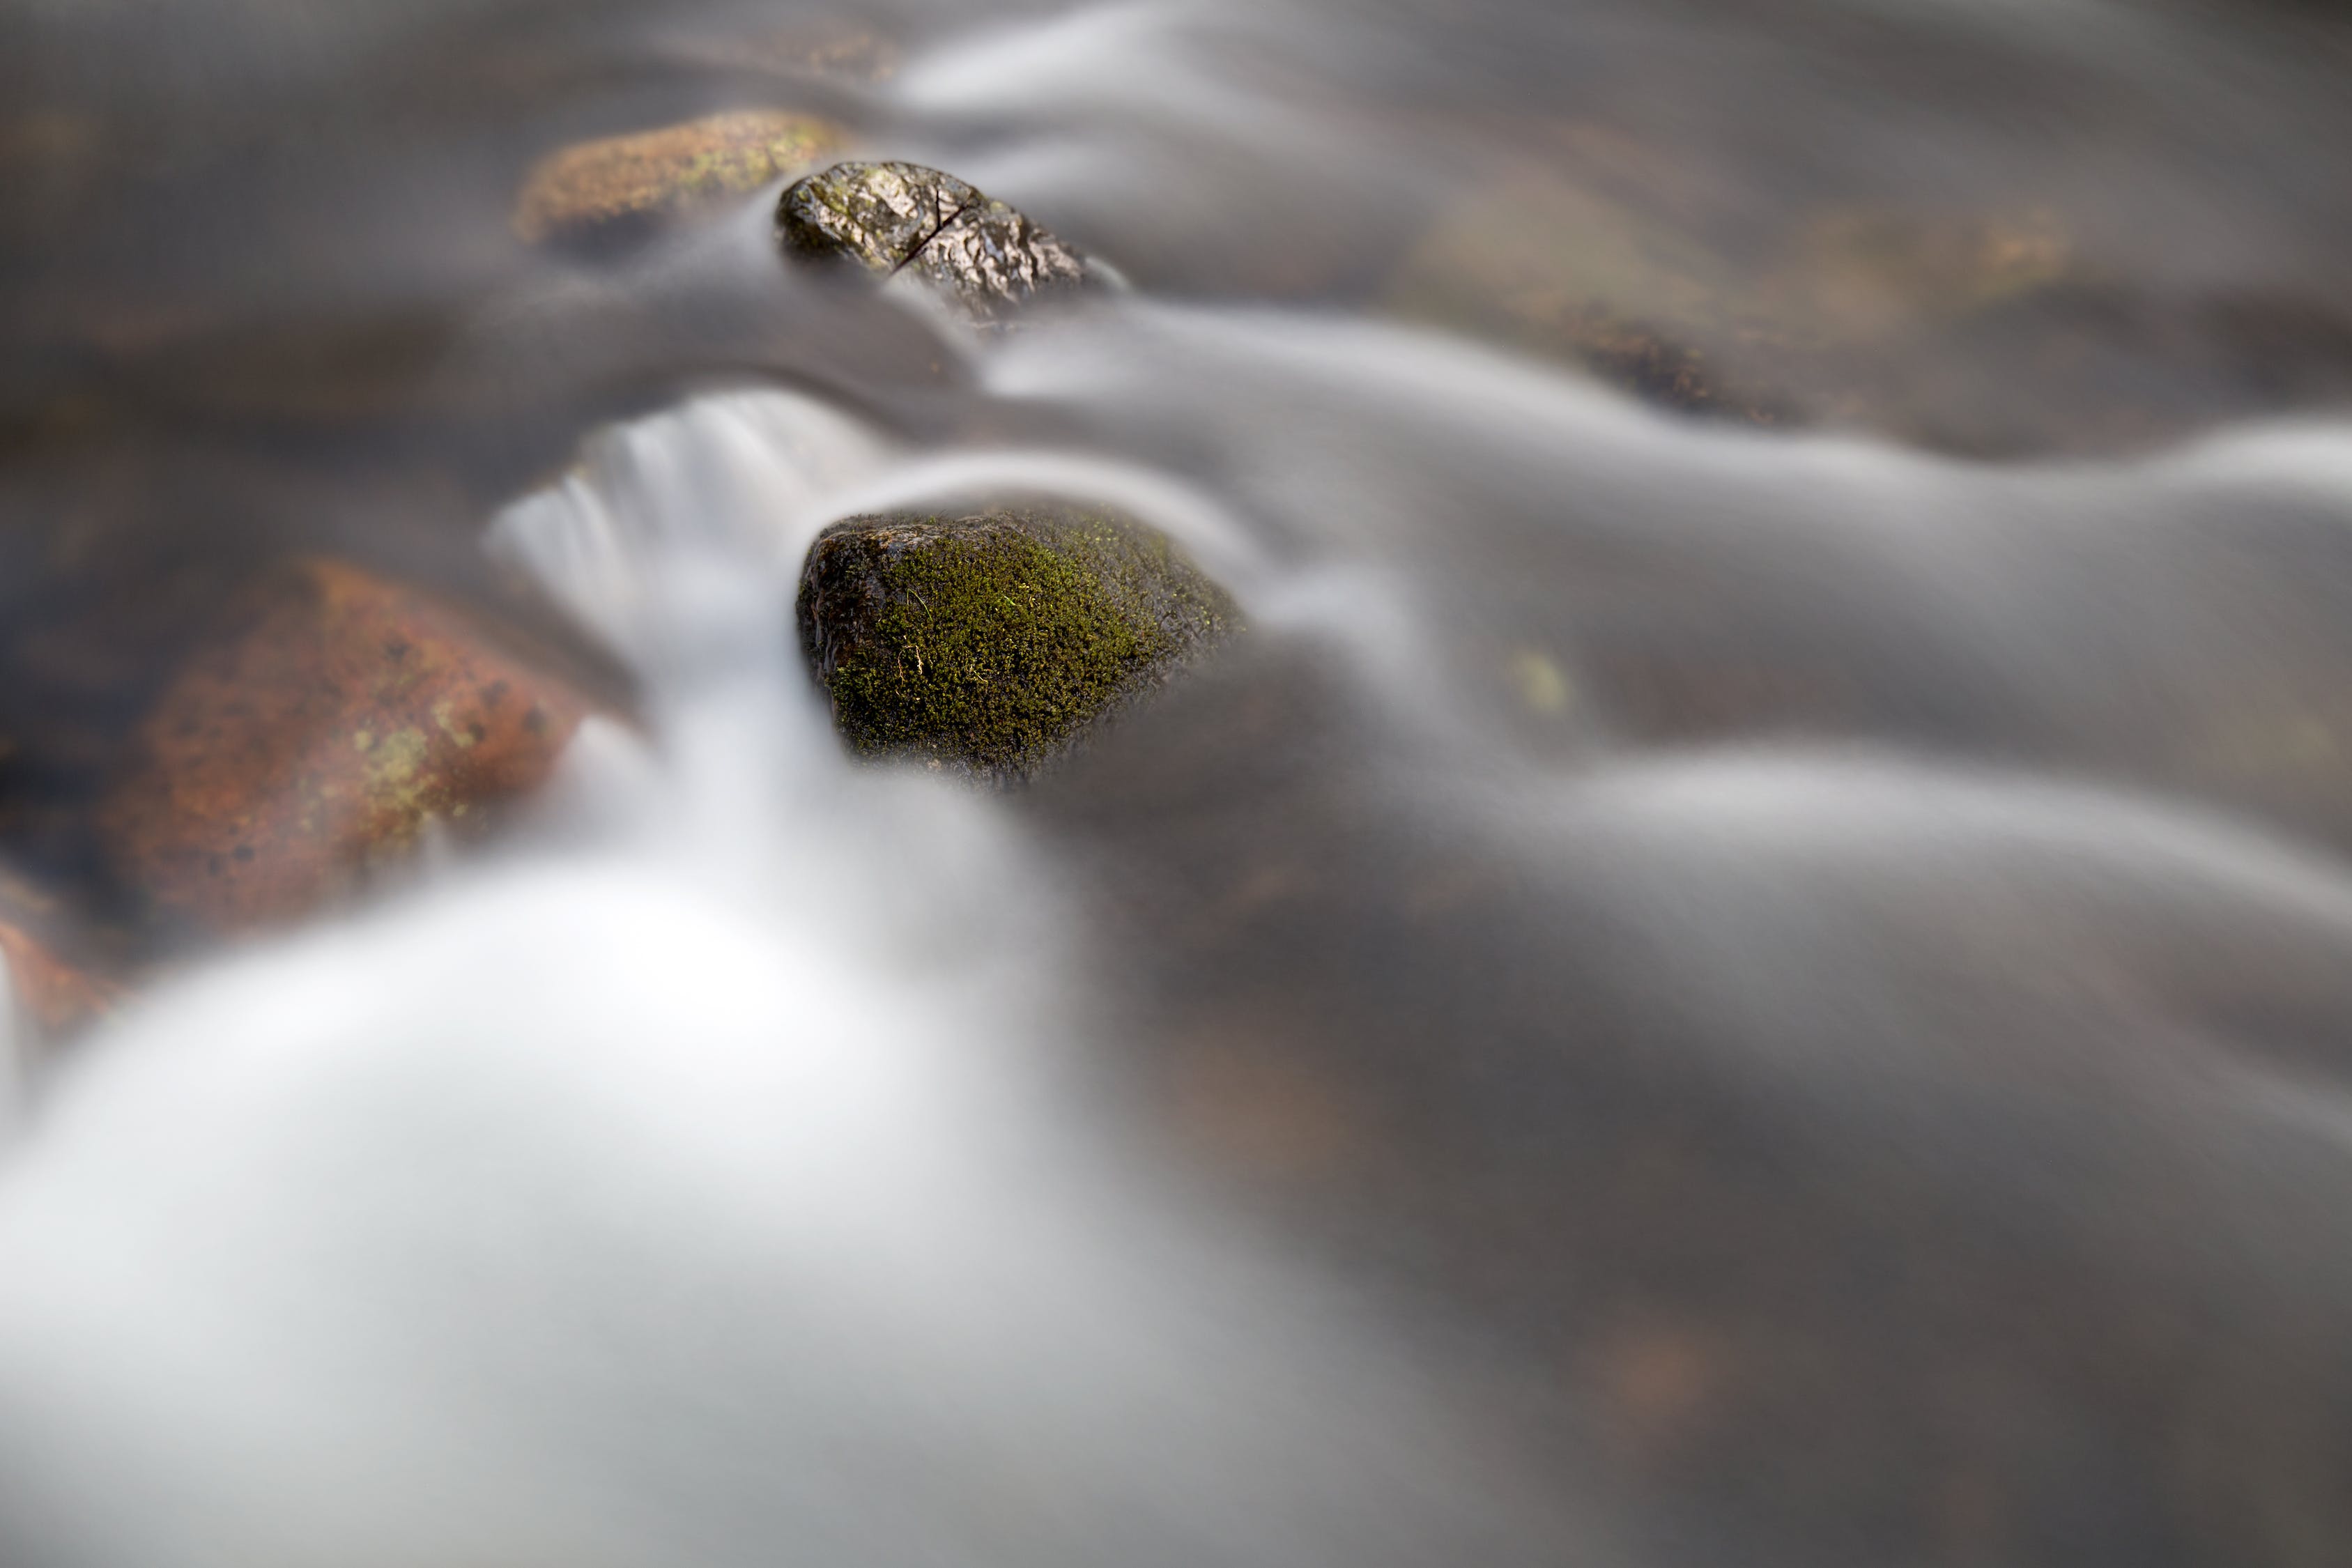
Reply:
x=988 y=642
x=978 y=254
x=332 y=718
x=623 y=183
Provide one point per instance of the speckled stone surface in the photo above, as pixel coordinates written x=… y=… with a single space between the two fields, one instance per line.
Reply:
x=331 y=719
x=976 y=254
x=623 y=185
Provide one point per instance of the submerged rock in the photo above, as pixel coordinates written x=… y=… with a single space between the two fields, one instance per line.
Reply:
x=621 y=184
x=1657 y=368
x=988 y=642
x=980 y=256
x=1993 y=330
x=329 y=720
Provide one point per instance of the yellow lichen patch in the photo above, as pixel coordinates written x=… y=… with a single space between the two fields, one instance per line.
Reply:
x=396 y=763
x=445 y=714
x=622 y=180
x=333 y=715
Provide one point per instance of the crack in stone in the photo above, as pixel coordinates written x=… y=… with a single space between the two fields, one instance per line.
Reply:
x=938 y=229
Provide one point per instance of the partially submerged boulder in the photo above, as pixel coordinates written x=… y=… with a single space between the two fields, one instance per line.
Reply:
x=624 y=184
x=982 y=258
x=332 y=719
x=988 y=642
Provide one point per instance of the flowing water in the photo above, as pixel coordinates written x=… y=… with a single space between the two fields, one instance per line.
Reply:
x=1749 y=961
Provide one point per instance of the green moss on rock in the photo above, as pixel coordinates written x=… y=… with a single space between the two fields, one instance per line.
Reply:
x=988 y=642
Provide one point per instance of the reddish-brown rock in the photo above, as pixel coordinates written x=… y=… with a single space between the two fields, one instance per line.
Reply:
x=53 y=989
x=331 y=719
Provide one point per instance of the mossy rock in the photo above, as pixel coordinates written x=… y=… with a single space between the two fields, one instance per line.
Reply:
x=974 y=254
x=623 y=185
x=989 y=644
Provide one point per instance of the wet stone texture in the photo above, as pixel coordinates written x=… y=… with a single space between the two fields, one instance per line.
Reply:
x=55 y=988
x=623 y=185
x=985 y=260
x=334 y=717
x=988 y=644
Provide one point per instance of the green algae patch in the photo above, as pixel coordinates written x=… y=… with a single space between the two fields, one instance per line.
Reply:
x=987 y=644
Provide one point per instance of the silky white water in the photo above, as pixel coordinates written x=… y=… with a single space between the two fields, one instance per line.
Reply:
x=707 y=1173
x=1689 y=991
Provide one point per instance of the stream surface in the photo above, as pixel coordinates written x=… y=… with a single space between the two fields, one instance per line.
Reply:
x=1749 y=962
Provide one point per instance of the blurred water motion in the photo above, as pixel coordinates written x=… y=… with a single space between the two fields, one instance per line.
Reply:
x=1751 y=961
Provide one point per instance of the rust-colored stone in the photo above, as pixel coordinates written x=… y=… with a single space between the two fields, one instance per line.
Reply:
x=58 y=996
x=334 y=718
x=53 y=991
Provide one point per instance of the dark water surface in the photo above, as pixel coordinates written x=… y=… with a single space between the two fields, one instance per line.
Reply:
x=1750 y=963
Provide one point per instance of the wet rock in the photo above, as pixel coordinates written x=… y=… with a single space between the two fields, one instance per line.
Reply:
x=987 y=644
x=624 y=184
x=55 y=988
x=333 y=716
x=1559 y=260
x=1853 y=272
x=52 y=994
x=972 y=251
x=1657 y=368
x=1994 y=332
